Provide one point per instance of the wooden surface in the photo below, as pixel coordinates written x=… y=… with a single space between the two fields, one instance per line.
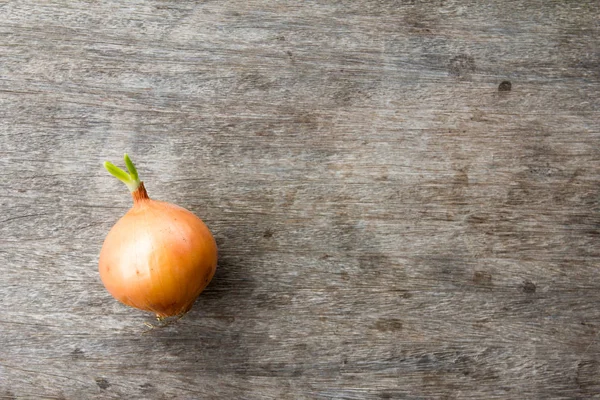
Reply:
x=395 y=220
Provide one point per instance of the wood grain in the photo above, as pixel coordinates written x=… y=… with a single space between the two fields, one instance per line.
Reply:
x=405 y=196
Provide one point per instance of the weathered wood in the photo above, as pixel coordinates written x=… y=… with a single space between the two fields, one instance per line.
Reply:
x=395 y=220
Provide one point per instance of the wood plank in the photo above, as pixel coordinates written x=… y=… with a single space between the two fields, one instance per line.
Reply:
x=393 y=222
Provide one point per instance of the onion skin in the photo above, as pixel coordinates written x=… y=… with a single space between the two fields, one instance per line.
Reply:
x=158 y=257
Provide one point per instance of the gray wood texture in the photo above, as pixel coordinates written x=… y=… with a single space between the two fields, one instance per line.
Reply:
x=405 y=194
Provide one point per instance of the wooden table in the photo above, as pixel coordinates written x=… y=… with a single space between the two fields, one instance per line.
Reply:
x=405 y=194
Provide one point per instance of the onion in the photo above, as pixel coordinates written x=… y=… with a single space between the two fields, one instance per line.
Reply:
x=158 y=257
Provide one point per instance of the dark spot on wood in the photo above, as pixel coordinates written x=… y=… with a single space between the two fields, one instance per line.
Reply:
x=268 y=233
x=8 y=395
x=301 y=347
x=406 y=295
x=251 y=81
x=147 y=387
x=388 y=325
x=289 y=53
x=588 y=372
x=542 y=171
x=463 y=363
x=528 y=286
x=519 y=195
x=281 y=38
x=270 y=301
x=482 y=278
x=447 y=270
x=424 y=359
x=309 y=119
x=592 y=232
x=461 y=178
x=102 y=383
x=77 y=354
x=280 y=369
x=475 y=219
x=505 y=86
x=349 y=87
x=373 y=262
x=462 y=66
x=226 y=318
x=385 y=395
x=325 y=256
